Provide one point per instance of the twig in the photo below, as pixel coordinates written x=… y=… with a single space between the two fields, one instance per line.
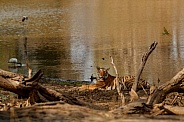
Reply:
x=116 y=82
x=144 y=90
x=25 y=46
x=35 y=79
x=49 y=103
x=26 y=58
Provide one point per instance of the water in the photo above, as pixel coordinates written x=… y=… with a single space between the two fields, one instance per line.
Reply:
x=68 y=39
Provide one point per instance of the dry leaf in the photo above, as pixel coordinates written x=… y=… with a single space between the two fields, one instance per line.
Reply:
x=152 y=89
x=133 y=95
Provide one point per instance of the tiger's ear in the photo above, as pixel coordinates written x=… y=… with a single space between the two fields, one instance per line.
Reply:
x=97 y=67
x=108 y=69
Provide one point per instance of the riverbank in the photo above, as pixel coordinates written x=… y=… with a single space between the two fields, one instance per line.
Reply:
x=105 y=105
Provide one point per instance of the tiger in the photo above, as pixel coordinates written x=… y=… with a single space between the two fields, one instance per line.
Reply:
x=126 y=81
x=107 y=81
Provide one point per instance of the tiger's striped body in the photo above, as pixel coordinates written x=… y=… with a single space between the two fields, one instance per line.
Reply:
x=109 y=80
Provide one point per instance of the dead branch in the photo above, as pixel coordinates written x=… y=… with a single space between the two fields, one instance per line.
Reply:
x=12 y=82
x=26 y=58
x=34 y=91
x=117 y=82
x=31 y=88
x=174 y=85
x=11 y=75
x=143 y=62
x=49 y=103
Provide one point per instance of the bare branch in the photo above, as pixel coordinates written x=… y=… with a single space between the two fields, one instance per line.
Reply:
x=143 y=63
x=26 y=58
x=116 y=82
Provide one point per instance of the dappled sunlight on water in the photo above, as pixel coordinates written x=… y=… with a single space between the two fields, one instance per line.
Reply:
x=68 y=39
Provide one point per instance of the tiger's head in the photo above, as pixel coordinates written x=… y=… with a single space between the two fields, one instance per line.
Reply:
x=102 y=73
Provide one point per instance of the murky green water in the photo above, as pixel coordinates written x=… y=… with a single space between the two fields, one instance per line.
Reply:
x=68 y=39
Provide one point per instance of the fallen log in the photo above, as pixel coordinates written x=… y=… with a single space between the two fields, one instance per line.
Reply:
x=176 y=84
x=12 y=82
x=31 y=89
x=18 y=84
x=167 y=98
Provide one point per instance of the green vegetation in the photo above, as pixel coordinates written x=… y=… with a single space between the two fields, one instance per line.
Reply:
x=64 y=83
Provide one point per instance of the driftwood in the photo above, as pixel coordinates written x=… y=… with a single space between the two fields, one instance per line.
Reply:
x=26 y=58
x=166 y=99
x=174 y=109
x=31 y=89
x=174 y=85
x=116 y=83
x=143 y=63
x=133 y=93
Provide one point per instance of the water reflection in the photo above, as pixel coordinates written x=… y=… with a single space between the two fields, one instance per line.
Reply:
x=68 y=39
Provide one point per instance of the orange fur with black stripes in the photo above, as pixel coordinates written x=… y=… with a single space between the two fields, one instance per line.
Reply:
x=107 y=81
